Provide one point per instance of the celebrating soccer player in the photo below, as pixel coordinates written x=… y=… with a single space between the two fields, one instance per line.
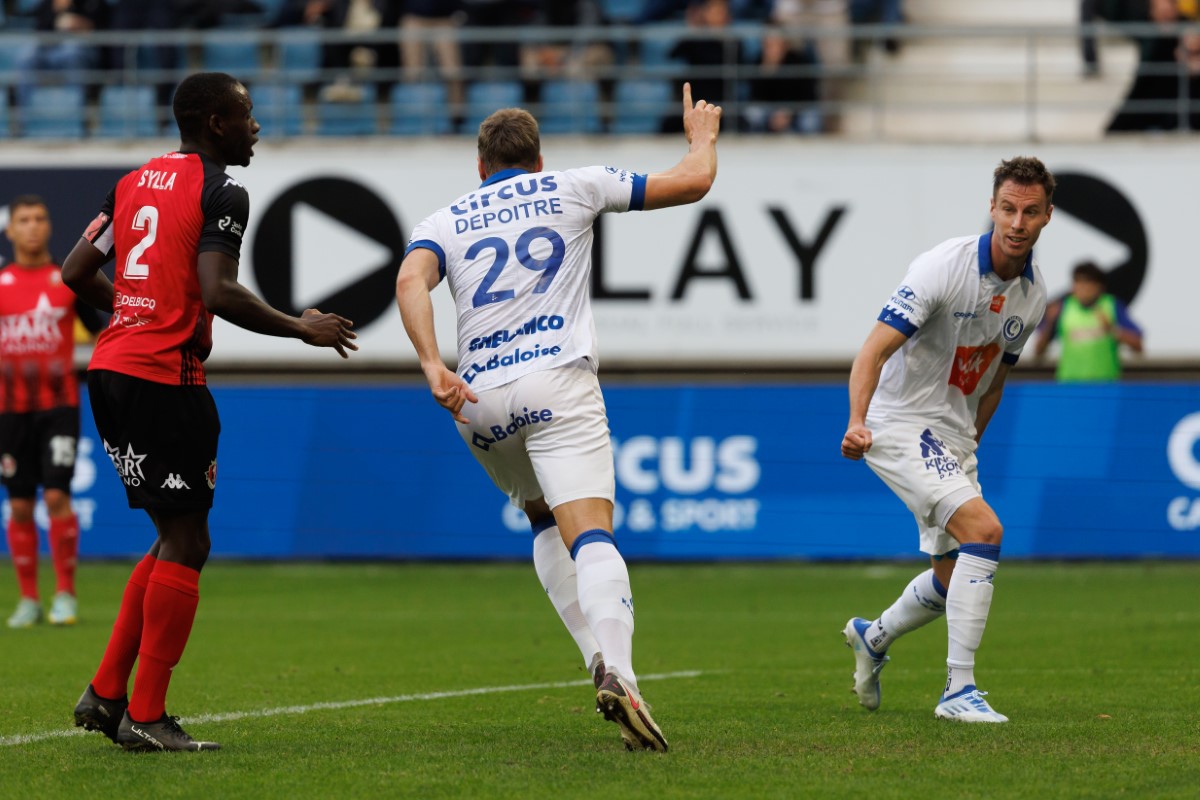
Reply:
x=517 y=254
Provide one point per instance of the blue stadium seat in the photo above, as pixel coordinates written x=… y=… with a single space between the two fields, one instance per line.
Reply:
x=3 y=115
x=654 y=48
x=621 y=11
x=484 y=97
x=355 y=118
x=300 y=54
x=640 y=105
x=420 y=109
x=570 y=107
x=54 y=112
x=127 y=112
x=278 y=109
x=238 y=58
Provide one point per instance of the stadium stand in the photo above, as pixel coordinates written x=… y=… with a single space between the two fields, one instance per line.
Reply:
x=127 y=112
x=570 y=107
x=419 y=109
x=54 y=112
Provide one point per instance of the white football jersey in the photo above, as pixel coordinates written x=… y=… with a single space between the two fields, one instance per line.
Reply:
x=962 y=321
x=517 y=252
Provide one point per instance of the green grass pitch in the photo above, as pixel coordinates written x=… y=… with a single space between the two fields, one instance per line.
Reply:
x=1095 y=664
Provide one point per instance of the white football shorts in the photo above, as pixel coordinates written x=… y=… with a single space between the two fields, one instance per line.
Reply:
x=933 y=473
x=544 y=435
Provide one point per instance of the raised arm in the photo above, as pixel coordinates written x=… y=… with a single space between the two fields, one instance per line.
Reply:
x=882 y=342
x=693 y=176
x=232 y=302
x=418 y=276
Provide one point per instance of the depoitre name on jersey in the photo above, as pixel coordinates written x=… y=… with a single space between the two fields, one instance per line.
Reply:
x=517 y=255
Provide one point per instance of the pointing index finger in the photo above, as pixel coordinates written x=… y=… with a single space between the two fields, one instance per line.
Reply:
x=687 y=97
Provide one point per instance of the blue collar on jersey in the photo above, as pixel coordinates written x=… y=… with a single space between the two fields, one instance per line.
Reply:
x=985 y=258
x=503 y=175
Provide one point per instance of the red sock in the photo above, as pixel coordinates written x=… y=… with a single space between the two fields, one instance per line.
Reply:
x=112 y=678
x=168 y=612
x=64 y=549
x=23 y=546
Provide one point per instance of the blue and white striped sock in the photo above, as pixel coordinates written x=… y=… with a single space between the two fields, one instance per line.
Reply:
x=556 y=571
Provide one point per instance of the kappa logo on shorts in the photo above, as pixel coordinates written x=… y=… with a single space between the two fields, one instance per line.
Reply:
x=174 y=481
x=127 y=464
x=935 y=456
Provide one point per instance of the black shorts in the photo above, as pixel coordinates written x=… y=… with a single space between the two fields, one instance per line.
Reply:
x=38 y=449
x=161 y=438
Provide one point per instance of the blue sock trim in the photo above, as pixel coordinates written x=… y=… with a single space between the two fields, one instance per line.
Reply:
x=980 y=550
x=937 y=586
x=594 y=535
x=543 y=523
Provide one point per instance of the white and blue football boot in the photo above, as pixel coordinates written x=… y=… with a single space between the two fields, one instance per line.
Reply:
x=867 y=663
x=967 y=705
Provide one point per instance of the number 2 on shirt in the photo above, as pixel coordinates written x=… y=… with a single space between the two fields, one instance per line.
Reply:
x=146 y=219
x=548 y=265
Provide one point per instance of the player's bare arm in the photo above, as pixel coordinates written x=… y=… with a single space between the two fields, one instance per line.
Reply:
x=690 y=179
x=418 y=276
x=81 y=272
x=989 y=401
x=231 y=301
x=882 y=342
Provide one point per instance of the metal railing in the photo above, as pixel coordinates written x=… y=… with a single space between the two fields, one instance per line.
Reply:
x=958 y=82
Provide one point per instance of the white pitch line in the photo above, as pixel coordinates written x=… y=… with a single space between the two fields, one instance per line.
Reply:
x=30 y=738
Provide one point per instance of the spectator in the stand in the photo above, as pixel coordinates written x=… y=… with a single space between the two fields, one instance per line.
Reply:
x=502 y=53
x=148 y=15
x=785 y=99
x=1158 y=82
x=344 y=59
x=1091 y=325
x=788 y=45
x=431 y=27
x=572 y=57
x=883 y=12
x=71 y=58
x=710 y=58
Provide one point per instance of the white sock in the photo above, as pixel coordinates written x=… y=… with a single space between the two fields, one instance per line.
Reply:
x=606 y=600
x=921 y=602
x=967 y=603
x=556 y=571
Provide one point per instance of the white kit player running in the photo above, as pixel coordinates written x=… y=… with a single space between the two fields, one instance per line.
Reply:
x=517 y=255
x=922 y=391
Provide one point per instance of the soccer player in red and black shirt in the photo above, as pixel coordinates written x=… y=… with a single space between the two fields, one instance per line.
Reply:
x=175 y=228
x=39 y=410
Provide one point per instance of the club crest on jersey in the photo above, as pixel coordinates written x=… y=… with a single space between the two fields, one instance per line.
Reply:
x=1013 y=327
x=210 y=474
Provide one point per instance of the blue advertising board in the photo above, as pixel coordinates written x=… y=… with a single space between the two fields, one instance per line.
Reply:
x=703 y=473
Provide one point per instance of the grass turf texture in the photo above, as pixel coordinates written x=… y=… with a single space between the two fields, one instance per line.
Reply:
x=1095 y=665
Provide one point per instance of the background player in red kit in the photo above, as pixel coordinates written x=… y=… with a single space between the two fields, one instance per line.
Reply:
x=175 y=228
x=39 y=410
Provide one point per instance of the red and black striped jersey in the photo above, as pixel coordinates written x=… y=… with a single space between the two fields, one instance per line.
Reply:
x=37 y=340
x=156 y=222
